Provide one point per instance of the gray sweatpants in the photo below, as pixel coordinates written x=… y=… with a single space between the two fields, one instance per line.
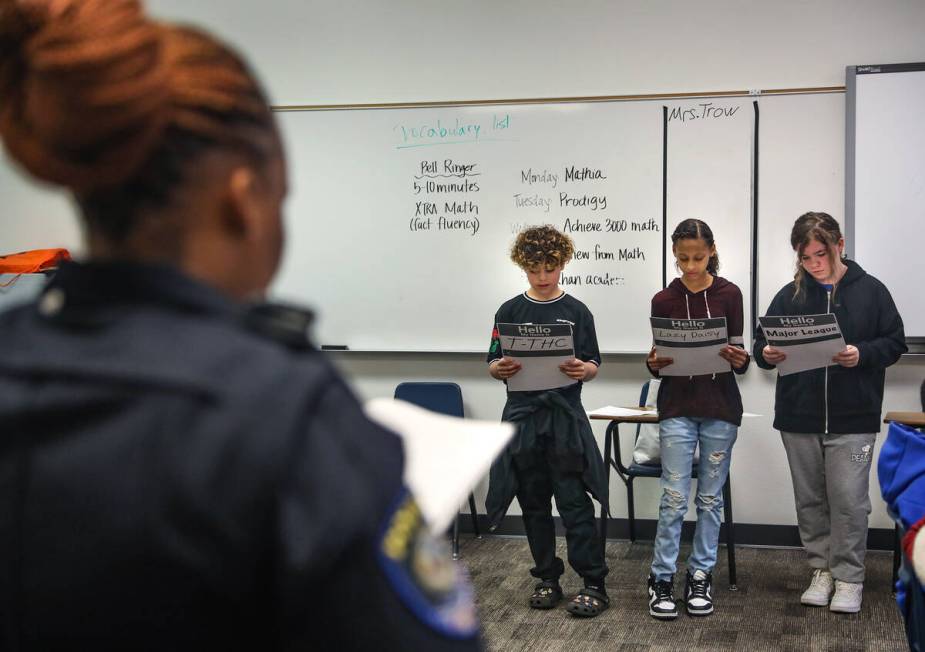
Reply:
x=831 y=481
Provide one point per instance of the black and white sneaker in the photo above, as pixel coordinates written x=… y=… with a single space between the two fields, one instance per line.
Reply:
x=698 y=593
x=662 y=604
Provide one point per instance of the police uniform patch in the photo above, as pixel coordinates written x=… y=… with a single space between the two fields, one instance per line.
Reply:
x=420 y=568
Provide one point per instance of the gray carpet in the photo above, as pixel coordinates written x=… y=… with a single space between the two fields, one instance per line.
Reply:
x=764 y=614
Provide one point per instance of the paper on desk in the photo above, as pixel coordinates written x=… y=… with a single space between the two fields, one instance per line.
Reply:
x=611 y=411
x=445 y=457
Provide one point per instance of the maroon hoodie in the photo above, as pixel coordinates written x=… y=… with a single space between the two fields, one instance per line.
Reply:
x=712 y=396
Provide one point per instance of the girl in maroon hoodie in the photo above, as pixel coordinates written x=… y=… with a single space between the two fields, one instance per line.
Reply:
x=693 y=411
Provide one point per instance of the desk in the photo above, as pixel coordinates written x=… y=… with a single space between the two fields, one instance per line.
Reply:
x=914 y=419
x=612 y=460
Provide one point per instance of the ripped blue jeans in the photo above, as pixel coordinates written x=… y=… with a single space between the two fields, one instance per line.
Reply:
x=679 y=439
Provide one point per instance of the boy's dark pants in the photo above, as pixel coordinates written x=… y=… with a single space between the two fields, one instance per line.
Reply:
x=538 y=482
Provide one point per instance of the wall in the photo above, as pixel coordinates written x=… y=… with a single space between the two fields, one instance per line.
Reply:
x=371 y=51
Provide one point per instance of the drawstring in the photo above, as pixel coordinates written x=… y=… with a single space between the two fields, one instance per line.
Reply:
x=709 y=316
x=688 y=306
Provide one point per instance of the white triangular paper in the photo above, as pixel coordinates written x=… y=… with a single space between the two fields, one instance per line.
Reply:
x=445 y=457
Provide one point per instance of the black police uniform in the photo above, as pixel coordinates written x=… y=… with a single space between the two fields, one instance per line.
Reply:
x=554 y=453
x=178 y=472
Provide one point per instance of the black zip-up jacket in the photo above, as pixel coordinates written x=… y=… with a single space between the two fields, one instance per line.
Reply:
x=836 y=399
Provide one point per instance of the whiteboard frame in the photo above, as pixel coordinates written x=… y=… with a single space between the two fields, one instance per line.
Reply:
x=915 y=343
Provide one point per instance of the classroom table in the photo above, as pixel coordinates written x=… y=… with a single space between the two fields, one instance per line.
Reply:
x=914 y=419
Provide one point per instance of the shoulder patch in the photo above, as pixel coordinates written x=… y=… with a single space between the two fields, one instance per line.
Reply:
x=419 y=567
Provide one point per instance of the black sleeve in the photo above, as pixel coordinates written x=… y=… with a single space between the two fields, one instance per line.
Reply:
x=890 y=343
x=334 y=511
x=735 y=322
x=494 y=347
x=587 y=349
x=776 y=308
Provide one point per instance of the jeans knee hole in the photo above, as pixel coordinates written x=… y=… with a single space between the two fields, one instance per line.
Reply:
x=674 y=499
x=709 y=502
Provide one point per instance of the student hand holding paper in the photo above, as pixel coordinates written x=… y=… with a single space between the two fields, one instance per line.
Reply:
x=772 y=355
x=734 y=355
x=503 y=368
x=849 y=357
x=655 y=363
x=579 y=370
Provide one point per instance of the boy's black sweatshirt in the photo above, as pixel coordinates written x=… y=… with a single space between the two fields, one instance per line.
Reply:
x=711 y=396
x=836 y=399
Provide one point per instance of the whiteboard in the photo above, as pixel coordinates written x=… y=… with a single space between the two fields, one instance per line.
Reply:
x=400 y=220
x=885 y=188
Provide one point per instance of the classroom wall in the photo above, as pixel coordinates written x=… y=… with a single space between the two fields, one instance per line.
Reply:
x=370 y=51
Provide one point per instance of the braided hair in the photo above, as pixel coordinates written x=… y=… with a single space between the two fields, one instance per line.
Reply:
x=697 y=230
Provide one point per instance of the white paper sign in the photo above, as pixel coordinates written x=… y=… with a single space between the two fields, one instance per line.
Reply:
x=445 y=457
x=540 y=349
x=810 y=341
x=694 y=344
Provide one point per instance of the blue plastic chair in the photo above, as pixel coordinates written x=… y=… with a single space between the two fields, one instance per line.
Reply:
x=445 y=398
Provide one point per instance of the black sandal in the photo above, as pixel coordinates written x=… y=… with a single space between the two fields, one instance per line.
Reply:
x=588 y=603
x=546 y=595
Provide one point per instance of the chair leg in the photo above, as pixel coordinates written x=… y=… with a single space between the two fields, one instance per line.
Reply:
x=730 y=534
x=631 y=509
x=605 y=505
x=897 y=556
x=475 y=517
x=456 y=536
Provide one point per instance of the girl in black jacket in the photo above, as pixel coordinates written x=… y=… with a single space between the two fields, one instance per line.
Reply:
x=829 y=417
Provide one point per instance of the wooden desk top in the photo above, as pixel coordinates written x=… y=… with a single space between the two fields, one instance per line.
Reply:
x=636 y=418
x=916 y=419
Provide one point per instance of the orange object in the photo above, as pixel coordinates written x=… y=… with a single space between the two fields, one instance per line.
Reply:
x=30 y=262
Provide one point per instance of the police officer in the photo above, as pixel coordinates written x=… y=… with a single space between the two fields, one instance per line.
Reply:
x=179 y=468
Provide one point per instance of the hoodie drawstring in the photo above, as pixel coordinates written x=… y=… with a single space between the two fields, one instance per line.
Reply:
x=687 y=305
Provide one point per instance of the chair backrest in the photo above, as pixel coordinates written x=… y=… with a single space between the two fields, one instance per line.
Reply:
x=643 y=395
x=445 y=398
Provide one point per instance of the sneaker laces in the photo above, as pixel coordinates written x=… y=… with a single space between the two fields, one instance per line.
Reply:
x=851 y=589
x=821 y=579
x=698 y=587
x=663 y=591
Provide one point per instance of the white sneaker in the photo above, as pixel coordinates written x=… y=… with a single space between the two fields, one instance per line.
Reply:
x=820 y=589
x=847 y=598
